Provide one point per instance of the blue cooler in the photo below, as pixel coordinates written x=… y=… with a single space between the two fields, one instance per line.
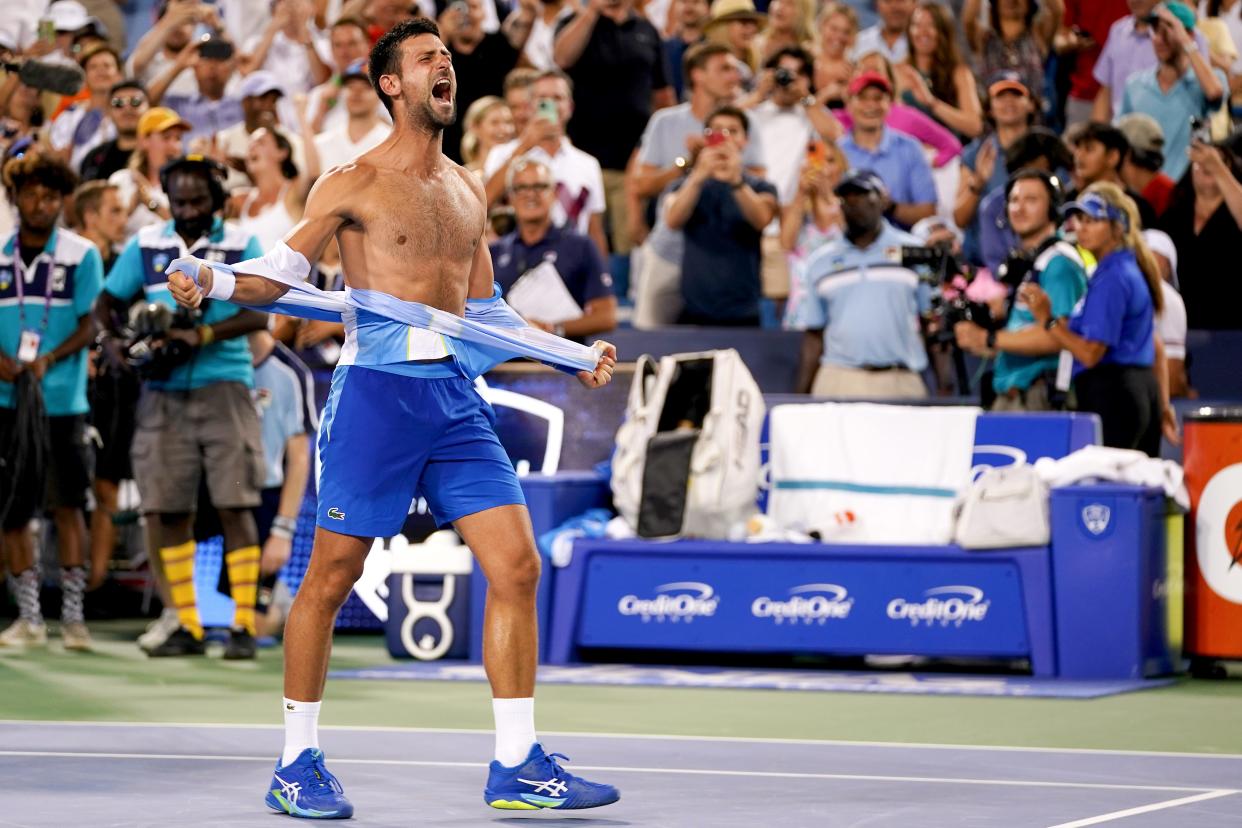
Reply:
x=1109 y=572
x=429 y=600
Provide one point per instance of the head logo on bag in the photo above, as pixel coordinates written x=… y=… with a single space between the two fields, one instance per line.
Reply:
x=1096 y=517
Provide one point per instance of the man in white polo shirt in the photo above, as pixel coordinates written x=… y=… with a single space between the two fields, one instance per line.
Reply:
x=579 y=182
x=363 y=130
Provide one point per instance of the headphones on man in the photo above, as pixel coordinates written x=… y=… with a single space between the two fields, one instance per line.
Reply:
x=1056 y=194
x=215 y=173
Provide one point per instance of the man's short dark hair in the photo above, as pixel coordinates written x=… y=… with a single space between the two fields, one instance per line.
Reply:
x=350 y=21
x=128 y=83
x=1106 y=134
x=38 y=168
x=696 y=57
x=731 y=111
x=386 y=54
x=1035 y=144
x=798 y=53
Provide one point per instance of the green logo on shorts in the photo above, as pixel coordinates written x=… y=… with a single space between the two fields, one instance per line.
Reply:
x=336 y=514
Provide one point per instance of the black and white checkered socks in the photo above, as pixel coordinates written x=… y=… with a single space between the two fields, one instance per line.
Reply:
x=73 y=583
x=28 y=596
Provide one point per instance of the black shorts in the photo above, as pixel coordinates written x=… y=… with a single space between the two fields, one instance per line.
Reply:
x=114 y=401
x=68 y=474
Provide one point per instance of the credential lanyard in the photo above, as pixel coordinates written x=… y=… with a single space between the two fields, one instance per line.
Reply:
x=19 y=275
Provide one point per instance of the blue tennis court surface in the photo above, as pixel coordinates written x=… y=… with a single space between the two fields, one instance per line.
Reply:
x=824 y=681
x=138 y=775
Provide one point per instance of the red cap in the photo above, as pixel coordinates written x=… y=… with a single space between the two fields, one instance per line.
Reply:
x=862 y=81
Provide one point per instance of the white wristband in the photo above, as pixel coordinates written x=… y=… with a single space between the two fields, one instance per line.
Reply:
x=223 y=282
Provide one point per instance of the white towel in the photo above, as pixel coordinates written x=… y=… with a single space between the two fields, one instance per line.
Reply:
x=1119 y=465
x=897 y=469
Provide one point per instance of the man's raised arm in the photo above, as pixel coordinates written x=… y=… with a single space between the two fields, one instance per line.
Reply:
x=251 y=282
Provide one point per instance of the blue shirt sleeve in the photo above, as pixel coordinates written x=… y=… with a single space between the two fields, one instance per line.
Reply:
x=125 y=278
x=922 y=187
x=1126 y=106
x=808 y=312
x=970 y=153
x=87 y=282
x=1065 y=283
x=1103 y=309
x=598 y=282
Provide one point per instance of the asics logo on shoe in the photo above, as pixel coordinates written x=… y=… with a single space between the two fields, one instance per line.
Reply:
x=336 y=514
x=553 y=786
x=291 y=790
x=288 y=707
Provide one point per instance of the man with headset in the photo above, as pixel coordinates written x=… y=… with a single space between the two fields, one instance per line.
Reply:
x=196 y=419
x=1026 y=354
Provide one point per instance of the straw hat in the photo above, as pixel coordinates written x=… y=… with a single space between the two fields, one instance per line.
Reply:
x=724 y=11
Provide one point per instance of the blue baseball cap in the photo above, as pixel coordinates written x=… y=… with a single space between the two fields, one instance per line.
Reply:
x=357 y=69
x=861 y=181
x=1095 y=206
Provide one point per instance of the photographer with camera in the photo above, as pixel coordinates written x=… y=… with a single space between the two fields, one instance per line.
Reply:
x=48 y=279
x=860 y=305
x=195 y=416
x=1026 y=354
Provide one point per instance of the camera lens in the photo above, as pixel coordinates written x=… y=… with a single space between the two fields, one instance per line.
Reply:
x=784 y=77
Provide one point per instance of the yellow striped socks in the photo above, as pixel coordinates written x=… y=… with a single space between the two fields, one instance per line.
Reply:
x=243 y=567
x=179 y=568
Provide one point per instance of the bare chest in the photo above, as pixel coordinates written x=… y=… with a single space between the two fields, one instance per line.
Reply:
x=438 y=220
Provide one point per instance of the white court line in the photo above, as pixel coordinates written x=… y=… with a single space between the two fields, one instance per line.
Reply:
x=1143 y=809
x=846 y=777
x=661 y=737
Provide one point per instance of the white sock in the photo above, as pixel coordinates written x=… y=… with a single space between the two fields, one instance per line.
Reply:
x=515 y=730
x=301 y=729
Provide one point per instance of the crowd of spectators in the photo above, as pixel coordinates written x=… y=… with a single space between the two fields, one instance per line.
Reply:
x=670 y=162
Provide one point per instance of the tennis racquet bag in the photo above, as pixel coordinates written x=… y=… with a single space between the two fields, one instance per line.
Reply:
x=687 y=454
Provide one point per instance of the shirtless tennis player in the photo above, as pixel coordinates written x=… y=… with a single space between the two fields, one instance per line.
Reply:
x=401 y=420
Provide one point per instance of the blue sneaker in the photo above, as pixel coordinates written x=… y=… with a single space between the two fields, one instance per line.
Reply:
x=540 y=782
x=306 y=789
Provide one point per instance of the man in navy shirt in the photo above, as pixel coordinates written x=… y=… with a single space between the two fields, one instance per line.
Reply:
x=537 y=243
x=722 y=212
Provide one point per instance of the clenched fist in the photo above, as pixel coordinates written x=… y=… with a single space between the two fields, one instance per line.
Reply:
x=189 y=280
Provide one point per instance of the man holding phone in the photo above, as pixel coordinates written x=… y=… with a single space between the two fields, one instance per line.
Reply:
x=210 y=109
x=722 y=211
x=173 y=32
x=1181 y=88
x=579 y=201
x=480 y=59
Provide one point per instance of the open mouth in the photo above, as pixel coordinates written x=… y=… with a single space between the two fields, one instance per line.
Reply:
x=442 y=90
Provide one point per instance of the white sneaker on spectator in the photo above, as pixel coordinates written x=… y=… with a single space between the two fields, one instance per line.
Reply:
x=76 y=636
x=159 y=629
x=21 y=633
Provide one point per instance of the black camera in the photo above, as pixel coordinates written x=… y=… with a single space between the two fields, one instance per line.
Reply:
x=783 y=77
x=939 y=268
x=149 y=351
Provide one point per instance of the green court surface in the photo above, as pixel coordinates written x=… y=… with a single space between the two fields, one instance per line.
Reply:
x=118 y=683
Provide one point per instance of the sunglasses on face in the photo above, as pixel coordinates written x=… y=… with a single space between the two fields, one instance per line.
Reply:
x=134 y=101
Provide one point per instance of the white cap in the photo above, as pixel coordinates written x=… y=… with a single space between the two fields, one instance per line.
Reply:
x=69 y=15
x=1160 y=242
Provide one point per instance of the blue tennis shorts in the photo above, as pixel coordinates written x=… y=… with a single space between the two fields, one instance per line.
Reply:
x=387 y=438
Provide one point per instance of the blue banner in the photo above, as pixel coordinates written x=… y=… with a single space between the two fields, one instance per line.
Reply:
x=924 y=604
